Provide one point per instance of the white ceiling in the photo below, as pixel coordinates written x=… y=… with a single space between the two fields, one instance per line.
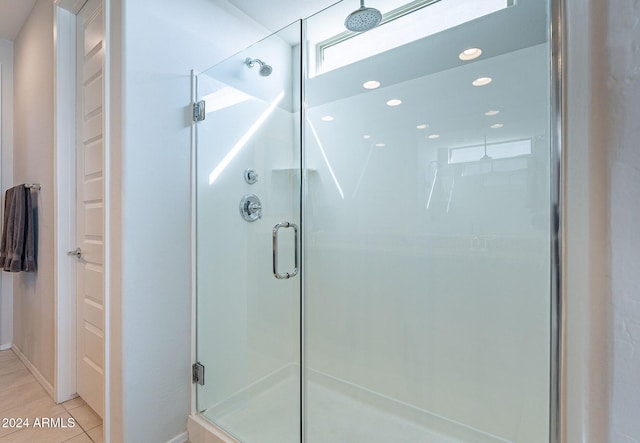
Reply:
x=276 y=14
x=13 y=14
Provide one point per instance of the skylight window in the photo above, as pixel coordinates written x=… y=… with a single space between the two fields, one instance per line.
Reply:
x=407 y=23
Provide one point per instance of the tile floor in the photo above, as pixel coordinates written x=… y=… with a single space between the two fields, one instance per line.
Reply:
x=22 y=397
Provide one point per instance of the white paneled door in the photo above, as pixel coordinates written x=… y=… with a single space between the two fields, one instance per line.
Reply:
x=90 y=206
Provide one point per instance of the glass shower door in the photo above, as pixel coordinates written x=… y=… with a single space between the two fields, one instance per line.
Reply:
x=248 y=215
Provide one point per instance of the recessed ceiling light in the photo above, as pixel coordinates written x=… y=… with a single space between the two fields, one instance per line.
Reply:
x=482 y=81
x=433 y=136
x=366 y=136
x=492 y=112
x=371 y=84
x=496 y=126
x=422 y=126
x=327 y=118
x=394 y=102
x=380 y=145
x=470 y=54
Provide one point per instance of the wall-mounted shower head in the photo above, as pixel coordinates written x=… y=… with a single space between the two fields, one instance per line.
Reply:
x=265 y=69
x=363 y=19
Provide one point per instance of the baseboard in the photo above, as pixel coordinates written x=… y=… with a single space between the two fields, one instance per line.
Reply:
x=34 y=371
x=5 y=347
x=182 y=438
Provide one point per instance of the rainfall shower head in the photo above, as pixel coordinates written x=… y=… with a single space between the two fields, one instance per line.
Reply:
x=363 y=19
x=265 y=69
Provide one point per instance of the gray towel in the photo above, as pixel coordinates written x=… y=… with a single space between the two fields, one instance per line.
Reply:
x=7 y=228
x=17 y=249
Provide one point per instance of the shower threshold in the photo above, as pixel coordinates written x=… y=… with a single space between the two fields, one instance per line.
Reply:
x=337 y=412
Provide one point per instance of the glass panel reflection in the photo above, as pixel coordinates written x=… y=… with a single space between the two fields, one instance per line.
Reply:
x=427 y=294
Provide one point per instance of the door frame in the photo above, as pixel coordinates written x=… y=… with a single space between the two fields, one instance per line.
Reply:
x=64 y=191
x=65 y=118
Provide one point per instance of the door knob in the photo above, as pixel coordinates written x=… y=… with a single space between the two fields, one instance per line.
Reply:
x=77 y=252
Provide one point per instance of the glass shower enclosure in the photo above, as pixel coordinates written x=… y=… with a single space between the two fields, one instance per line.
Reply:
x=374 y=234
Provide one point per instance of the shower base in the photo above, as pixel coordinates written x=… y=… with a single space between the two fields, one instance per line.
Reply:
x=337 y=412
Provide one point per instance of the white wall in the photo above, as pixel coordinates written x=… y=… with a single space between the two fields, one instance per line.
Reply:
x=623 y=110
x=33 y=316
x=151 y=269
x=6 y=179
x=602 y=246
x=585 y=242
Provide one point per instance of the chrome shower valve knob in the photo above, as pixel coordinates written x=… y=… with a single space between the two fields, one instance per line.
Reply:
x=250 y=207
x=254 y=208
x=250 y=176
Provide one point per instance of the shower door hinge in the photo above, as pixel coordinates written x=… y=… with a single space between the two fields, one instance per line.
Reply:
x=198 y=111
x=197 y=373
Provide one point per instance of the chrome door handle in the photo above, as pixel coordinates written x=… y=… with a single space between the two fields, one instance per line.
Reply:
x=77 y=253
x=294 y=272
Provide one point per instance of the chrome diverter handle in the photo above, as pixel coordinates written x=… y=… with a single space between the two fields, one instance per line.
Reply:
x=276 y=228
